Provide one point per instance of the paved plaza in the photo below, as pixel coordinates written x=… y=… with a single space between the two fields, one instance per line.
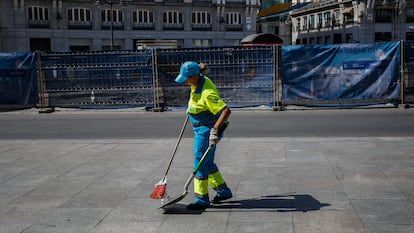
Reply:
x=280 y=185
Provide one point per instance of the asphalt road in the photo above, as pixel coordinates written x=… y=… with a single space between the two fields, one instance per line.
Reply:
x=119 y=124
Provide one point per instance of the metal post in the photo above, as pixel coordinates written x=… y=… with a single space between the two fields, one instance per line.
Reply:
x=402 y=49
x=276 y=79
x=274 y=60
x=155 y=82
x=154 y=78
x=41 y=87
x=40 y=82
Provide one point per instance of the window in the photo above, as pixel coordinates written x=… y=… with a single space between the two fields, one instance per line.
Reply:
x=274 y=30
x=312 y=40
x=173 y=20
x=305 y=23
x=348 y=15
x=327 y=18
x=233 y=18
x=117 y=16
x=349 y=38
x=312 y=22
x=383 y=15
x=409 y=36
x=143 y=16
x=319 y=40
x=143 y=19
x=337 y=18
x=383 y=36
x=37 y=13
x=320 y=20
x=304 y=41
x=38 y=16
x=201 y=20
x=79 y=14
x=42 y=44
x=201 y=17
x=172 y=17
x=79 y=18
x=201 y=43
x=328 y=40
x=233 y=21
x=259 y=28
x=410 y=15
x=112 y=19
x=337 y=38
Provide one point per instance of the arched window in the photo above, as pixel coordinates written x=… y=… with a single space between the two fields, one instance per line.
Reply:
x=173 y=20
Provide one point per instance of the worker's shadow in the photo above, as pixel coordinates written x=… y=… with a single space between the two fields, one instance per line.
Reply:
x=274 y=203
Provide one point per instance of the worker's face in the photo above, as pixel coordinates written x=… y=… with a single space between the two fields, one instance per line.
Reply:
x=192 y=80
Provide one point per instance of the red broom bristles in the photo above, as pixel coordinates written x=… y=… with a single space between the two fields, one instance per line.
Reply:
x=159 y=191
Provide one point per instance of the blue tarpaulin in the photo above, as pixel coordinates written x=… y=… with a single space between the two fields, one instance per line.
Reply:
x=346 y=71
x=18 y=83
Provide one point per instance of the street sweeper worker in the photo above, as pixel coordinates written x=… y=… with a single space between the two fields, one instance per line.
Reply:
x=207 y=112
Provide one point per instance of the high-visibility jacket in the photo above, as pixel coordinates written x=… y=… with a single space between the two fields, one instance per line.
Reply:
x=205 y=102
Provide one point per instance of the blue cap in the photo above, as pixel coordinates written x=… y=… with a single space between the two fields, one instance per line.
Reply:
x=188 y=68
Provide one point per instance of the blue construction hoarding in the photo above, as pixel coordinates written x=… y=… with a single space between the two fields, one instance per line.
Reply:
x=18 y=81
x=351 y=72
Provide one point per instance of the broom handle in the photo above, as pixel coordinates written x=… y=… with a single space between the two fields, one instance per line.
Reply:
x=176 y=145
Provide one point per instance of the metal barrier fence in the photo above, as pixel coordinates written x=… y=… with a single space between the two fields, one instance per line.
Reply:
x=245 y=76
x=96 y=79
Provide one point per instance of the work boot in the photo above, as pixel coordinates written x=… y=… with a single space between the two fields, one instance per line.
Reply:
x=222 y=195
x=218 y=199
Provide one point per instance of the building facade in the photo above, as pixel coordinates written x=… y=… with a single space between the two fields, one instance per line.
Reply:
x=93 y=25
x=349 y=21
x=276 y=20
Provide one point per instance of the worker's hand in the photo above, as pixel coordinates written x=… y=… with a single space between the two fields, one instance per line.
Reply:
x=214 y=136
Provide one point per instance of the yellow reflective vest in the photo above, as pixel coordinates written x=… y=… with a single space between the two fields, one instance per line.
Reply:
x=205 y=97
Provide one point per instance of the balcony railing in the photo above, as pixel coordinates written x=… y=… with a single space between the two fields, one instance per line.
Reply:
x=80 y=24
x=115 y=25
x=201 y=26
x=143 y=26
x=234 y=27
x=39 y=23
x=173 y=26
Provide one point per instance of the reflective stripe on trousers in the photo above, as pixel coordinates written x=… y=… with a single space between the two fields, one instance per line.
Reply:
x=208 y=172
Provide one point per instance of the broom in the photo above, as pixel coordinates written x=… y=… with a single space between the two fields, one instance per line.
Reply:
x=161 y=187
